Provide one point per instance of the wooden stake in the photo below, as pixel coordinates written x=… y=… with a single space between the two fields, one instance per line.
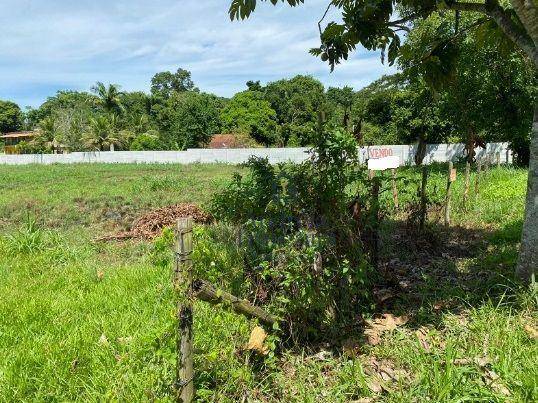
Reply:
x=394 y=189
x=376 y=184
x=183 y=283
x=467 y=182
x=498 y=160
x=208 y=293
x=477 y=177
x=423 y=198
x=451 y=178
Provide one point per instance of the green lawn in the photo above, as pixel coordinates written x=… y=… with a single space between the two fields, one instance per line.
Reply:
x=92 y=321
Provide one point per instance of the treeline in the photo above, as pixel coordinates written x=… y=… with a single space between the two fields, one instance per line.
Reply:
x=489 y=98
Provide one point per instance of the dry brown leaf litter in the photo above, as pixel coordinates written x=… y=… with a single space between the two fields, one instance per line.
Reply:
x=150 y=225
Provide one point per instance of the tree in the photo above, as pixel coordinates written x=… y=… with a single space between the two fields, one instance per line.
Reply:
x=247 y=112
x=189 y=119
x=109 y=98
x=102 y=134
x=164 y=84
x=371 y=24
x=344 y=99
x=491 y=90
x=11 y=117
x=297 y=103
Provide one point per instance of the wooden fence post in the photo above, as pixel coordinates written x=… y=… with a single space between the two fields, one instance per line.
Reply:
x=423 y=198
x=394 y=189
x=477 y=178
x=376 y=184
x=183 y=284
x=498 y=160
x=467 y=182
x=451 y=178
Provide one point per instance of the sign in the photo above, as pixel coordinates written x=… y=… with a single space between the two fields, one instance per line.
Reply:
x=380 y=152
x=453 y=175
x=380 y=164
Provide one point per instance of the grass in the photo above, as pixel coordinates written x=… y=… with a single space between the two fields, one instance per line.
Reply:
x=90 y=321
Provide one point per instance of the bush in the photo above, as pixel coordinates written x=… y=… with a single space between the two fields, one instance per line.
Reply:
x=300 y=244
x=147 y=141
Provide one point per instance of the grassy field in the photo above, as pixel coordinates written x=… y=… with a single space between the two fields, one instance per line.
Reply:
x=92 y=321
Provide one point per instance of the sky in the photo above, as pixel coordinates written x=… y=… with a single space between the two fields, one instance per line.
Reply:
x=48 y=46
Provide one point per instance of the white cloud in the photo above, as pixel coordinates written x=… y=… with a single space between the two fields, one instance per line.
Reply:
x=46 y=46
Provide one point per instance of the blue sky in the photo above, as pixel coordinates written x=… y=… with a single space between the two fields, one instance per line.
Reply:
x=48 y=45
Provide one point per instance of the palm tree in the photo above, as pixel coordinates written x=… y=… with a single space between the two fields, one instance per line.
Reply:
x=109 y=97
x=102 y=133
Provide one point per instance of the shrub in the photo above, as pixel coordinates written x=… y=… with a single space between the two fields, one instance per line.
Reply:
x=301 y=246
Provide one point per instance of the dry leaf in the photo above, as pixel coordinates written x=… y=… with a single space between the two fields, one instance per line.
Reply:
x=100 y=275
x=422 y=336
x=494 y=381
x=531 y=331
x=372 y=337
x=256 y=341
x=382 y=373
x=385 y=323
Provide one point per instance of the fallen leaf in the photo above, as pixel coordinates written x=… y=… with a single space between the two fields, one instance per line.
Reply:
x=422 y=336
x=372 y=337
x=100 y=275
x=382 y=373
x=385 y=323
x=494 y=381
x=257 y=340
x=74 y=364
x=531 y=331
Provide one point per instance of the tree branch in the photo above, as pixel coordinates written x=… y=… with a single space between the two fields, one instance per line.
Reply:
x=505 y=23
x=323 y=17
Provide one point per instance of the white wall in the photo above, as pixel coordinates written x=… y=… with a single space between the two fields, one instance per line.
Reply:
x=435 y=153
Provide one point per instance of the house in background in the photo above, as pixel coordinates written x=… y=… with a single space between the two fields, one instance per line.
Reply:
x=12 y=139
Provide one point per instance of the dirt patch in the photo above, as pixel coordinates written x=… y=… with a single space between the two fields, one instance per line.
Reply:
x=150 y=225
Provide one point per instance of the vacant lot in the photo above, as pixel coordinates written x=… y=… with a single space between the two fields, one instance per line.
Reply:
x=85 y=320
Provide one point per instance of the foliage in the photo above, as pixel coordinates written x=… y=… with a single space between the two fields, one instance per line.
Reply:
x=297 y=102
x=166 y=83
x=189 y=119
x=11 y=117
x=248 y=112
x=299 y=241
x=146 y=141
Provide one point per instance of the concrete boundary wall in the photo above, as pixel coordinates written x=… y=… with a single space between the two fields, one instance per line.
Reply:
x=434 y=153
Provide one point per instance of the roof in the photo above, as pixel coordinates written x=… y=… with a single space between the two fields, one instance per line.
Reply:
x=223 y=141
x=14 y=135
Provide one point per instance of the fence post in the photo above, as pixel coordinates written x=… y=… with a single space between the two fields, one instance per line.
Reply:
x=183 y=284
x=451 y=178
x=423 y=198
x=498 y=160
x=467 y=182
x=394 y=189
x=376 y=184
x=477 y=178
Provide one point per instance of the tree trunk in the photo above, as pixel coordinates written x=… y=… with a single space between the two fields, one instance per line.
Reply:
x=421 y=150
x=528 y=255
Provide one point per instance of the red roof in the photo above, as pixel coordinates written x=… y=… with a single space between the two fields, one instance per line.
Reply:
x=14 y=135
x=223 y=141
